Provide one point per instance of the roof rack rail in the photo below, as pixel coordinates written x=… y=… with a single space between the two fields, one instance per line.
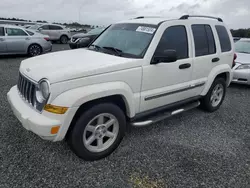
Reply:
x=185 y=17
x=141 y=17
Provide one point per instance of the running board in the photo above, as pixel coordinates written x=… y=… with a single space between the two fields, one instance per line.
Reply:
x=164 y=115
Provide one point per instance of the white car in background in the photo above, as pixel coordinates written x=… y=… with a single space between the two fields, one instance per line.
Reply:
x=54 y=31
x=17 y=40
x=241 y=70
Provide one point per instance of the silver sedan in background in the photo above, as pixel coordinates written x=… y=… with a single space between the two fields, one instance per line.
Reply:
x=241 y=70
x=18 y=40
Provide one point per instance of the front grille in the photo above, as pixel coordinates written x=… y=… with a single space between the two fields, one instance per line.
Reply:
x=26 y=89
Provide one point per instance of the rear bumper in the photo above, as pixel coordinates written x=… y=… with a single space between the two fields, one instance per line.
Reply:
x=47 y=47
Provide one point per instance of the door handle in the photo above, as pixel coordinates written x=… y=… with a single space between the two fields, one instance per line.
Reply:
x=216 y=59
x=185 y=66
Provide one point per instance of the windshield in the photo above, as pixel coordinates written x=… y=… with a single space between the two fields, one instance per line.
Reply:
x=242 y=47
x=95 y=31
x=132 y=40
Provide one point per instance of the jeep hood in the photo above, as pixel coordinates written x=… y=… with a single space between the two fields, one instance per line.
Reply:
x=71 y=64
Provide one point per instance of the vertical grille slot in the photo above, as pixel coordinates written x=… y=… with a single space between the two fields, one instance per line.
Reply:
x=26 y=89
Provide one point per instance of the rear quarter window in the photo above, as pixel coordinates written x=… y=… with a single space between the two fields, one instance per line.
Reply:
x=225 y=43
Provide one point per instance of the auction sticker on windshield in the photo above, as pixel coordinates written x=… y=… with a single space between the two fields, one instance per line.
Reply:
x=144 y=29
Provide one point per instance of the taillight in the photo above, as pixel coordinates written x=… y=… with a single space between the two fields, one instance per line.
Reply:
x=235 y=57
x=46 y=38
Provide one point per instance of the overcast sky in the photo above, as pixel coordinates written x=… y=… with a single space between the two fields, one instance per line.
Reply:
x=236 y=13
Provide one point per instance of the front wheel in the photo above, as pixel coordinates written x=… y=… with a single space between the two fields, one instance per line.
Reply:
x=215 y=96
x=98 y=132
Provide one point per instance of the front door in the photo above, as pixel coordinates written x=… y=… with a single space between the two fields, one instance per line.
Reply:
x=16 y=40
x=3 y=45
x=166 y=83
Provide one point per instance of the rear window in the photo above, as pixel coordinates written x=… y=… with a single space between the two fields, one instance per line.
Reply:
x=29 y=32
x=224 y=38
x=204 y=40
x=2 y=31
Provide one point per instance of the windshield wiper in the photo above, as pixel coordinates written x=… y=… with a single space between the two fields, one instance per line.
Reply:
x=96 y=46
x=117 y=51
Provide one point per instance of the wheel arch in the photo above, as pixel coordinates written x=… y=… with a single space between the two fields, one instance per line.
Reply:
x=221 y=71
x=117 y=99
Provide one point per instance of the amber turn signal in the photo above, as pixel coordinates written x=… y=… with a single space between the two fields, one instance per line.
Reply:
x=54 y=130
x=55 y=109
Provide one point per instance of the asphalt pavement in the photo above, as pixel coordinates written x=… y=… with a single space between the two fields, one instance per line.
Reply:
x=193 y=149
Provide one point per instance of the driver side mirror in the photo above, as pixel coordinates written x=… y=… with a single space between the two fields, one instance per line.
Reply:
x=40 y=29
x=168 y=56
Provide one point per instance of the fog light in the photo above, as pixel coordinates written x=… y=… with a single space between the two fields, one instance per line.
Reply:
x=54 y=130
x=55 y=109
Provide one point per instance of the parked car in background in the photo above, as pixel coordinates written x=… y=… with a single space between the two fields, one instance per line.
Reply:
x=81 y=40
x=137 y=72
x=17 y=40
x=236 y=39
x=54 y=31
x=241 y=70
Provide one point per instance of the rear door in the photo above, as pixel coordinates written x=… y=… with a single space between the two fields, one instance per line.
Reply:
x=206 y=55
x=16 y=40
x=3 y=46
x=55 y=32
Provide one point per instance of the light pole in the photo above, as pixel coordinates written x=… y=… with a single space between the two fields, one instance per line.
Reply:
x=79 y=13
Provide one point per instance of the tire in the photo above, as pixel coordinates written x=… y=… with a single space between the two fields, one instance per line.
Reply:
x=34 y=50
x=64 y=39
x=211 y=103
x=83 y=137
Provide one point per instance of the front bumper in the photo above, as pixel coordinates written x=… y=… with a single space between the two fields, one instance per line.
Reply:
x=241 y=76
x=73 y=45
x=29 y=118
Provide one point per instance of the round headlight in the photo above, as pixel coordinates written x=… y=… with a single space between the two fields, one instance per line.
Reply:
x=42 y=91
x=44 y=88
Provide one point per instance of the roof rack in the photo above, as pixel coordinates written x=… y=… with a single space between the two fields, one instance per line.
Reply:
x=185 y=17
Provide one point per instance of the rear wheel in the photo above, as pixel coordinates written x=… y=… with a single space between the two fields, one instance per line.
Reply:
x=64 y=39
x=34 y=50
x=98 y=132
x=215 y=96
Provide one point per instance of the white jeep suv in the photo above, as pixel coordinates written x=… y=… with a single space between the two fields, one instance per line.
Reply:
x=137 y=72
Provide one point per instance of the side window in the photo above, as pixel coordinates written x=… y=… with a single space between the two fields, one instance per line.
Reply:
x=45 y=27
x=224 y=38
x=203 y=40
x=15 y=32
x=2 y=31
x=174 y=38
x=55 y=27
